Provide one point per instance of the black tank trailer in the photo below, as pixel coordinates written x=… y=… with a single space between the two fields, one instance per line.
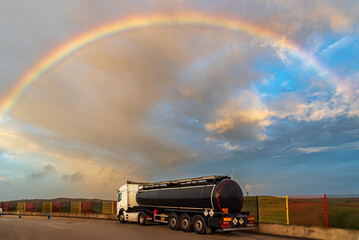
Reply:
x=216 y=195
x=202 y=204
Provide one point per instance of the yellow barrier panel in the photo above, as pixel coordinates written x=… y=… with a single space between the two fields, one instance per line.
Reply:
x=47 y=207
x=286 y=208
x=20 y=207
x=76 y=207
x=107 y=207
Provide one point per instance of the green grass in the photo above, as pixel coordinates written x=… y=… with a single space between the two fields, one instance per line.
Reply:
x=343 y=213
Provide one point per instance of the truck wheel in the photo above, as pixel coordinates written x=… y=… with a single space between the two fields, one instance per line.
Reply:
x=121 y=218
x=185 y=222
x=199 y=224
x=142 y=218
x=173 y=221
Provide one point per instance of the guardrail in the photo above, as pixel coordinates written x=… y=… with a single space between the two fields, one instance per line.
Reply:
x=100 y=207
x=334 y=211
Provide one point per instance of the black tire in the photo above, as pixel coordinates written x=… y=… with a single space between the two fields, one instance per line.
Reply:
x=173 y=221
x=185 y=222
x=199 y=224
x=121 y=217
x=142 y=218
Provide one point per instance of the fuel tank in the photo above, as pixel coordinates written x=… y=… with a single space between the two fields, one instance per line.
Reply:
x=224 y=194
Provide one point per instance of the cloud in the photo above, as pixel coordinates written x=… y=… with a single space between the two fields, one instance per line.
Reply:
x=228 y=146
x=249 y=187
x=4 y=179
x=47 y=169
x=244 y=117
x=353 y=146
x=78 y=176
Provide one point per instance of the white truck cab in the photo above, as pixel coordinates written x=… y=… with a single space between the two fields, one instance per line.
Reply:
x=127 y=201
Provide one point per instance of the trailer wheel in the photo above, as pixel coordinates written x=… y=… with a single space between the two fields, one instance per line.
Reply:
x=173 y=221
x=121 y=217
x=142 y=218
x=185 y=222
x=199 y=224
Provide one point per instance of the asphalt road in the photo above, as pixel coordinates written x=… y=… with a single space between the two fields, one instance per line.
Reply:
x=37 y=228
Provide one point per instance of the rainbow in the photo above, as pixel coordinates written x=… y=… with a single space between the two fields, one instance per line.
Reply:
x=135 y=22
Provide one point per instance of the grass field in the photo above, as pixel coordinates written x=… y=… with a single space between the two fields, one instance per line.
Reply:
x=343 y=213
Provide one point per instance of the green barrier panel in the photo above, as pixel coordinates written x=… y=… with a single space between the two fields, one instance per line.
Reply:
x=272 y=210
x=37 y=206
x=47 y=207
x=107 y=207
x=12 y=207
x=20 y=207
x=65 y=207
x=75 y=207
x=96 y=207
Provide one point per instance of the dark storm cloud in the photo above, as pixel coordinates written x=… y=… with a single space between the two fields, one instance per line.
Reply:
x=78 y=176
x=46 y=170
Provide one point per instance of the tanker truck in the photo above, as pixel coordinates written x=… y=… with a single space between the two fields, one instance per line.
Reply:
x=202 y=204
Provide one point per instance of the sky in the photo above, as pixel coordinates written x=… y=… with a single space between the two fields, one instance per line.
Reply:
x=266 y=92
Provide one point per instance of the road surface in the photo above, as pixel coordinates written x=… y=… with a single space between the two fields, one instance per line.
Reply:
x=31 y=227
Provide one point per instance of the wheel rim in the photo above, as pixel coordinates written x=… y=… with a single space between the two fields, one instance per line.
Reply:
x=198 y=225
x=173 y=222
x=121 y=217
x=185 y=223
x=142 y=218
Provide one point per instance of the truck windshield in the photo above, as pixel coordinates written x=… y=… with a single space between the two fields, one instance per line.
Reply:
x=119 y=196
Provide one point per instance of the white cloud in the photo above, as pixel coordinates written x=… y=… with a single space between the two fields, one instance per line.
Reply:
x=342 y=147
x=4 y=179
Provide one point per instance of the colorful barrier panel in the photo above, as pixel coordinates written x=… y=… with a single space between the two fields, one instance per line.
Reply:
x=29 y=207
x=65 y=207
x=86 y=207
x=96 y=207
x=12 y=207
x=75 y=207
x=272 y=209
x=56 y=206
x=5 y=206
x=37 y=206
x=306 y=210
x=47 y=207
x=20 y=207
x=107 y=207
x=114 y=207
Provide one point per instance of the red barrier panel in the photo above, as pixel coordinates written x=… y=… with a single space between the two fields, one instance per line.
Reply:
x=5 y=206
x=114 y=207
x=56 y=207
x=86 y=207
x=307 y=210
x=29 y=207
